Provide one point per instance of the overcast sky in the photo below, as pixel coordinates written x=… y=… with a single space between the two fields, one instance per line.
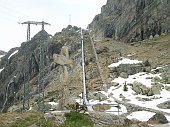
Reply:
x=55 y=12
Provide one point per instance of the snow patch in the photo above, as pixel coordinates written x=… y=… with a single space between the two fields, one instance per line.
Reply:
x=1 y=69
x=125 y=61
x=12 y=54
x=141 y=115
x=142 y=77
x=53 y=103
x=2 y=56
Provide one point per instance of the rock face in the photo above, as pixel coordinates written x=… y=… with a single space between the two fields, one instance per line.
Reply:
x=45 y=60
x=131 y=20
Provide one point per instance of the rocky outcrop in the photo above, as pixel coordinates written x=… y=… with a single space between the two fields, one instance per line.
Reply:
x=132 y=20
x=49 y=61
x=149 y=91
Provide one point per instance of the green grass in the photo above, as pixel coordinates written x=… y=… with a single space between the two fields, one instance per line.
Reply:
x=74 y=119
x=36 y=119
x=33 y=120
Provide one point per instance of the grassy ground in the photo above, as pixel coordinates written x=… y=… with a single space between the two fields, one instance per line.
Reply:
x=24 y=120
x=27 y=119
x=30 y=119
x=75 y=119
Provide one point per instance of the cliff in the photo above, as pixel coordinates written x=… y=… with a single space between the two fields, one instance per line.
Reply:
x=131 y=20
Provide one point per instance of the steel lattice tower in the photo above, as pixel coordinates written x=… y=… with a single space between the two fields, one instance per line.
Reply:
x=40 y=86
x=29 y=23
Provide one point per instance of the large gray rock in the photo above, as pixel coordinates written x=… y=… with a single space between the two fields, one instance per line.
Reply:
x=140 y=88
x=97 y=96
x=156 y=88
x=130 y=69
x=101 y=118
x=164 y=105
x=158 y=118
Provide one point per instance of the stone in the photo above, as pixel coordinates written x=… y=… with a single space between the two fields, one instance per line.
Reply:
x=167 y=88
x=156 y=36
x=151 y=37
x=123 y=75
x=156 y=79
x=101 y=118
x=130 y=69
x=140 y=88
x=101 y=107
x=158 y=118
x=164 y=105
x=15 y=108
x=97 y=96
x=156 y=89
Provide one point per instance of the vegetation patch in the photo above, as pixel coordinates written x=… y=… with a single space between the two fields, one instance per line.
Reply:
x=24 y=120
x=75 y=119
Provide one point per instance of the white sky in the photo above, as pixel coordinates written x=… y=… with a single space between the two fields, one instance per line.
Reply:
x=55 y=12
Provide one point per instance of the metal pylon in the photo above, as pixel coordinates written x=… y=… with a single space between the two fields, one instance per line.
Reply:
x=40 y=87
x=34 y=23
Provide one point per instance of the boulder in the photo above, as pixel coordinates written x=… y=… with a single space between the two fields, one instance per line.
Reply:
x=158 y=118
x=123 y=75
x=164 y=105
x=101 y=118
x=97 y=96
x=101 y=107
x=15 y=108
x=156 y=88
x=156 y=79
x=130 y=69
x=167 y=88
x=140 y=88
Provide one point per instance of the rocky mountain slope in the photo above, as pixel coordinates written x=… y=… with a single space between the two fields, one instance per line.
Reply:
x=132 y=20
x=54 y=63
x=2 y=53
x=62 y=67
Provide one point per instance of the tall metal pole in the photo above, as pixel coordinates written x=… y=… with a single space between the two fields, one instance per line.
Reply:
x=28 y=32
x=42 y=25
x=84 y=79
